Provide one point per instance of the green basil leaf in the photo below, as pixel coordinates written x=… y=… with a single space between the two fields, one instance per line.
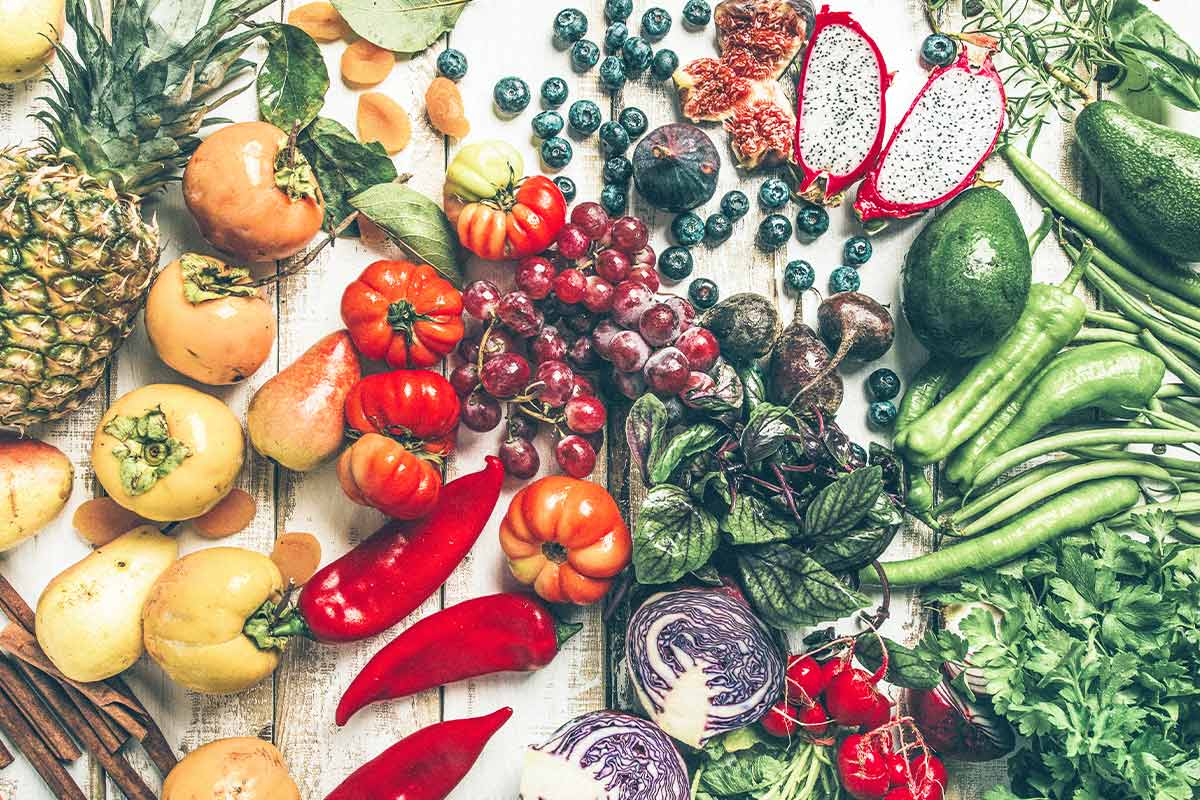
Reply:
x=754 y=385
x=852 y=551
x=416 y=223
x=751 y=521
x=645 y=426
x=688 y=442
x=715 y=482
x=1150 y=47
x=843 y=504
x=764 y=435
x=293 y=80
x=344 y=167
x=406 y=26
x=789 y=588
x=672 y=537
x=907 y=668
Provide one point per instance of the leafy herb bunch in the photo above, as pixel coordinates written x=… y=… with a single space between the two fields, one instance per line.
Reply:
x=777 y=499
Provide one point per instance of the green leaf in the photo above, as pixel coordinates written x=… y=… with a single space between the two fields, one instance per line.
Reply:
x=854 y=550
x=843 y=504
x=416 y=223
x=907 y=668
x=406 y=26
x=751 y=521
x=696 y=439
x=754 y=384
x=344 y=167
x=645 y=426
x=293 y=80
x=765 y=432
x=1151 y=48
x=742 y=772
x=672 y=537
x=789 y=588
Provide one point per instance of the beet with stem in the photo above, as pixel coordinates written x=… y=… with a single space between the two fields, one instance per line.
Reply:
x=798 y=358
x=857 y=326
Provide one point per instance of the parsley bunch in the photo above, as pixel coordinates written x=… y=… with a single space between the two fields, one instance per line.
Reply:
x=1097 y=663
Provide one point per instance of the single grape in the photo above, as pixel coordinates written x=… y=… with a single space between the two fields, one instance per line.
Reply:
x=592 y=219
x=614 y=139
x=547 y=345
x=518 y=312
x=612 y=265
x=656 y=23
x=511 y=95
x=646 y=276
x=519 y=457
x=644 y=257
x=617 y=10
x=630 y=384
x=884 y=384
x=556 y=379
x=798 y=276
x=573 y=243
x=630 y=300
x=664 y=64
x=480 y=412
x=812 y=221
x=882 y=413
x=699 y=384
x=498 y=342
x=697 y=13
x=857 y=251
x=717 y=229
x=554 y=92
x=579 y=320
x=667 y=371
x=688 y=229
x=585 y=414
x=844 y=279
x=566 y=186
x=774 y=231
x=614 y=198
x=569 y=286
x=583 y=387
x=598 y=295
x=615 y=36
x=703 y=293
x=634 y=121
x=635 y=55
x=660 y=325
x=938 y=50
x=535 y=276
x=585 y=54
x=464 y=378
x=575 y=455
x=630 y=235
x=556 y=152
x=676 y=263
x=522 y=427
x=699 y=347
x=735 y=204
x=602 y=336
x=452 y=64
x=505 y=376
x=617 y=170
x=570 y=25
x=628 y=351
x=582 y=355
x=547 y=124
x=584 y=117
x=612 y=72
x=552 y=308
x=480 y=299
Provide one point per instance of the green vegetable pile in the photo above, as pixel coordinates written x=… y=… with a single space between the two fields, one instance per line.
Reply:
x=745 y=765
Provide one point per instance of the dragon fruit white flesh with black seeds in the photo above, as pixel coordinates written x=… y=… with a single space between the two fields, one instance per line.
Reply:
x=841 y=109
x=940 y=145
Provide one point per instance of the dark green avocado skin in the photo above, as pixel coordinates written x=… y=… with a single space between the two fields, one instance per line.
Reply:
x=967 y=275
x=1149 y=173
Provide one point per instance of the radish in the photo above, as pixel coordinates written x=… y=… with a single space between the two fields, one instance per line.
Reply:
x=814 y=721
x=863 y=767
x=805 y=680
x=782 y=720
x=852 y=698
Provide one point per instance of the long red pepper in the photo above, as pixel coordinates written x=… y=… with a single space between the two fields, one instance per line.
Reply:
x=424 y=766
x=497 y=633
x=400 y=566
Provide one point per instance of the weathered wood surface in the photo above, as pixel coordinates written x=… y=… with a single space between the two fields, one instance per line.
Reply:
x=500 y=37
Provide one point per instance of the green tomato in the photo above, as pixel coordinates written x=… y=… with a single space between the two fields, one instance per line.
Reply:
x=482 y=170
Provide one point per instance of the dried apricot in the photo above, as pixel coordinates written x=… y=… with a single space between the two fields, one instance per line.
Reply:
x=381 y=119
x=371 y=234
x=232 y=515
x=297 y=555
x=319 y=20
x=102 y=519
x=444 y=105
x=366 y=64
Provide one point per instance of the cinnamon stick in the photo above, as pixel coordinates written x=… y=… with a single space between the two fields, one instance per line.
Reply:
x=6 y=757
x=99 y=723
x=154 y=743
x=35 y=751
x=37 y=713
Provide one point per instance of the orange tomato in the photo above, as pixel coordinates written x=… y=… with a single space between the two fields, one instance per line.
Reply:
x=379 y=472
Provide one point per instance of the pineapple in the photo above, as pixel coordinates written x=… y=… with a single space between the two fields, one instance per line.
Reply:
x=76 y=257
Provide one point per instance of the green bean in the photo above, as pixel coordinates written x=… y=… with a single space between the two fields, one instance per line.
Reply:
x=1056 y=484
x=1134 y=283
x=1008 y=489
x=1108 y=319
x=1166 y=420
x=1181 y=467
x=1100 y=229
x=1077 y=509
x=1133 y=309
x=1174 y=390
x=1184 y=504
x=1035 y=239
x=1187 y=531
x=1179 y=320
x=1083 y=438
x=1189 y=376
x=1088 y=335
x=1184 y=409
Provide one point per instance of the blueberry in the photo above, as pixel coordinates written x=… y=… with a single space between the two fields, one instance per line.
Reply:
x=774 y=193
x=675 y=263
x=774 y=231
x=697 y=13
x=703 y=293
x=799 y=276
x=688 y=229
x=614 y=198
x=614 y=140
x=584 y=117
x=554 y=92
x=615 y=36
x=566 y=186
x=547 y=124
x=452 y=64
x=618 y=170
x=735 y=204
x=634 y=121
x=884 y=384
x=938 y=50
x=585 y=54
x=556 y=152
x=612 y=74
x=656 y=23
x=857 y=251
x=717 y=229
x=844 y=279
x=618 y=10
x=882 y=413
x=812 y=221
x=664 y=64
x=570 y=25
x=511 y=95
x=859 y=455
x=636 y=53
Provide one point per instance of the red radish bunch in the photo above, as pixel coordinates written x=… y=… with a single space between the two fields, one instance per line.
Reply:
x=870 y=770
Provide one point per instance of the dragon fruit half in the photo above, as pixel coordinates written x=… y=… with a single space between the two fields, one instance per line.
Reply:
x=940 y=145
x=841 y=109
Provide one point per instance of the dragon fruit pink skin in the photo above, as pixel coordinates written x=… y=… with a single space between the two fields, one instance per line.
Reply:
x=963 y=105
x=846 y=96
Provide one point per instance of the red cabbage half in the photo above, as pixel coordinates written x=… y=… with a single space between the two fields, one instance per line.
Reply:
x=702 y=663
x=605 y=755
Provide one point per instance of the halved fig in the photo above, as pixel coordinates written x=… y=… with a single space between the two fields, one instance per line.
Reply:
x=709 y=90
x=760 y=38
x=762 y=127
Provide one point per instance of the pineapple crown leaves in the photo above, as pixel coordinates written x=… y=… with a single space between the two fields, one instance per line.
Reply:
x=128 y=106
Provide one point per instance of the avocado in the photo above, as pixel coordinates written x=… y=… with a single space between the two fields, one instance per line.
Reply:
x=1149 y=173
x=967 y=274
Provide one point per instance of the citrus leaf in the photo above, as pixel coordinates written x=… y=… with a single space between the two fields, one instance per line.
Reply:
x=406 y=26
x=672 y=537
x=414 y=222
x=293 y=80
x=788 y=588
x=344 y=167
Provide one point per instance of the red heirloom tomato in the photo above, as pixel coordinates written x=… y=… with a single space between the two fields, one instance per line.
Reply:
x=417 y=407
x=382 y=473
x=402 y=313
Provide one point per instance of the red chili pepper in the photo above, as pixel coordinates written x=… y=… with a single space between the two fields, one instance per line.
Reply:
x=424 y=766
x=498 y=633
x=400 y=566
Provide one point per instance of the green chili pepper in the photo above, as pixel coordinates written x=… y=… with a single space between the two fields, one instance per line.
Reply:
x=922 y=394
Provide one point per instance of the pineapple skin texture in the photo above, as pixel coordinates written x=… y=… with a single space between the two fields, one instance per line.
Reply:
x=76 y=262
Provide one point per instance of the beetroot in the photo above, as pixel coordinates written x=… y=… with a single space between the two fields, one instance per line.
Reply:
x=798 y=358
x=958 y=729
x=858 y=326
